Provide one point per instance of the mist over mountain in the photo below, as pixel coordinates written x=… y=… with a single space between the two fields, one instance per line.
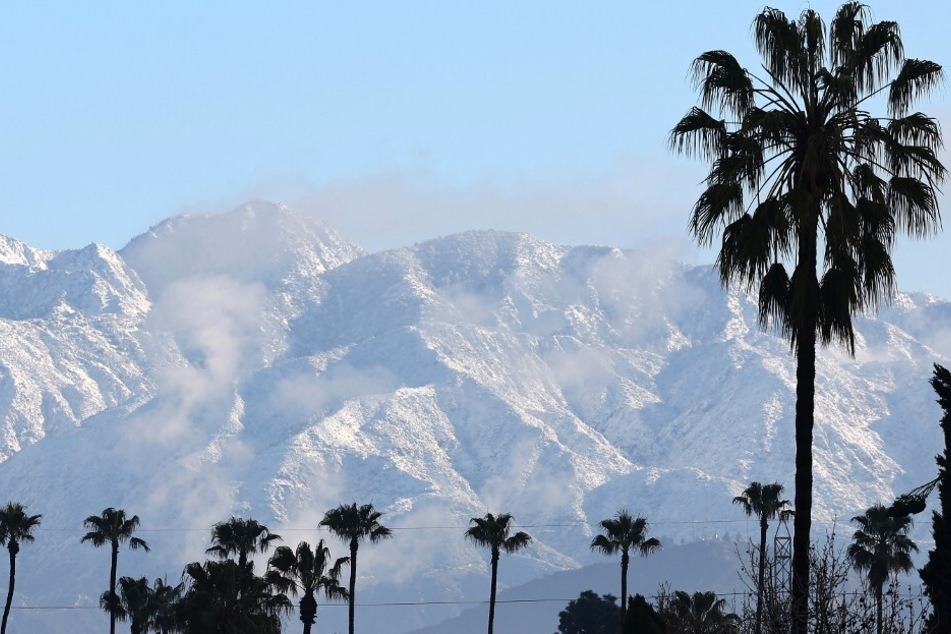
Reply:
x=258 y=363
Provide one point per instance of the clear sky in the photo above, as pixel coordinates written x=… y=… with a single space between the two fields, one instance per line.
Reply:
x=396 y=122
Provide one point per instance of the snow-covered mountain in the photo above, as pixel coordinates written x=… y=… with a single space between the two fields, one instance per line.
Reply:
x=259 y=363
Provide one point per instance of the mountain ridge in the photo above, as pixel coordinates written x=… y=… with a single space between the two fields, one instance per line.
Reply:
x=257 y=362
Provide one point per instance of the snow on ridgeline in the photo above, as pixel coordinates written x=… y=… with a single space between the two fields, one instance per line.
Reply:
x=258 y=363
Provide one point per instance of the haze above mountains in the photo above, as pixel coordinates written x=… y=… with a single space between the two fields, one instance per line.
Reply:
x=258 y=363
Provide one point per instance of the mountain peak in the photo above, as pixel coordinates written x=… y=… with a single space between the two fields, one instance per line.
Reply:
x=257 y=242
x=14 y=252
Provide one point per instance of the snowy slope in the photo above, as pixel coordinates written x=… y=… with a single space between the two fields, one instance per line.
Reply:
x=259 y=363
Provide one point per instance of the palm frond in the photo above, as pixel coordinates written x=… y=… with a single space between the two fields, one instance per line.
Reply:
x=838 y=300
x=879 y=53
x=812 y=34
x=916 y=129
x=916 y=78
x=722 y=82
x=699 y=134
x=779 y=42
x=916 y=161
x=845 y=33
x=774 y=298
x=716 y=207
x=914 y=206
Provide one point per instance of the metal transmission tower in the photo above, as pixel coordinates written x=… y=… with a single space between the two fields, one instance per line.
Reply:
x=782 y=555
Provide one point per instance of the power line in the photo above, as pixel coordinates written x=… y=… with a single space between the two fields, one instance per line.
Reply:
x=386 y=604
x=652 y=523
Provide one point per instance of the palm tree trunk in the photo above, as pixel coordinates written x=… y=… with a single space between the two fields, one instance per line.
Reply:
x=760 y=583
x=625 y=561
x=805 y=414
x=112 y=587
x=492 y=587
x=353 y=581
x=13 y=547
x=878 y=609
x=308 y=610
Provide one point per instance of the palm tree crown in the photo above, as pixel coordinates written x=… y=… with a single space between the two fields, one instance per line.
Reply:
x=114 y=528
x=307 y=571
x=134 y=604
x=701 y=613
x=163 y=600
x=495 y=533
x=220 y=596
x=16 y=527
x=622 y=534
x=241 y=537
x=798 y=165
x=764 y=501
x=881 y=546
x=355 y=524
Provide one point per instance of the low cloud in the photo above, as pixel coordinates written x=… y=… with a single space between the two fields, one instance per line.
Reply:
x=636 y=205
x=304 y=395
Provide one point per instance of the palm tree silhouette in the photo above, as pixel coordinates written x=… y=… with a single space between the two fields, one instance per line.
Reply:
x=797 y=163
x=701 y=613
x=354 y=524
x=16 y=527
x=307 y=571
x=134 y=604
x=163 y=600
x=881 y=546
x=494 y=532
x=622 y=534
x=222 y=597
x=763 y=501
x=113 y=527
x=241 y=537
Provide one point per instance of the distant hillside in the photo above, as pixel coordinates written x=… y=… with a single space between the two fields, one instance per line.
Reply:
x=258 y=363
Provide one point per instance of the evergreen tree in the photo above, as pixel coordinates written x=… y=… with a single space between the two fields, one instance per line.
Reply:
x=936 y=574
x=589 y=614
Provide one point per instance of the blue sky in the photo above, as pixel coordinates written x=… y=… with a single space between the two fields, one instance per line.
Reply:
x=395 y=122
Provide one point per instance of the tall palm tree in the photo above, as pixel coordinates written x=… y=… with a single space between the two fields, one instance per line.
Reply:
x=16 y=527
x=701 y=613
x=307 y=571
x=763 y=501
x=241 y=537
x=798 y=164
x=134 y=604
x=354 y=524
x=881 y=546
x=622 y=534
x=113 y=527
x=495 y=533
